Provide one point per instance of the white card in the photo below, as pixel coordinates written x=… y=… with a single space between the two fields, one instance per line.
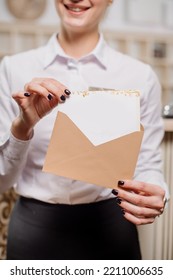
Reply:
x=104 y=115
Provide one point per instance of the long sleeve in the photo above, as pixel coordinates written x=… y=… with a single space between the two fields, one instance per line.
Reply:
x=149 y=165
x=13 y=152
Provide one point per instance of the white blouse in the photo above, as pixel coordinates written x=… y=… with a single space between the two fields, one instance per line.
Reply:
x=21 y=162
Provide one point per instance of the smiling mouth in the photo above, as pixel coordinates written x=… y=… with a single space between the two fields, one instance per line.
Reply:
x=76 y=9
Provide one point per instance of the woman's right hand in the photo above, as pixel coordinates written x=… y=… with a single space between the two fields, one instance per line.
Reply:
x=39 y=97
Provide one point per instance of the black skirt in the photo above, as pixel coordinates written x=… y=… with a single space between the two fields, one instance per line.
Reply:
x=93 y=231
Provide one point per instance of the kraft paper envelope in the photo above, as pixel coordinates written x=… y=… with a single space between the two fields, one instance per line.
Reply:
x=96 y=137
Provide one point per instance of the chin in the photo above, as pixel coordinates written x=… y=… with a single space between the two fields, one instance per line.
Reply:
x=74 y=26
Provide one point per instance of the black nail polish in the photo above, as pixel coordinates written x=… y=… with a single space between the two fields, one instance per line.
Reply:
x=118 y=200
x=66 y=91
x=62 y=97
x=120 y=183
x=49 y=96
x=27 y=94
x=123 y=211
x=115 y=192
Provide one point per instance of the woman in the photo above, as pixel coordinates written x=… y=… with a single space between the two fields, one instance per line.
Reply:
x=56 y=217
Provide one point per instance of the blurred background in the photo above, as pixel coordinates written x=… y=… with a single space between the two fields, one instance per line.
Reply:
x=140 y=28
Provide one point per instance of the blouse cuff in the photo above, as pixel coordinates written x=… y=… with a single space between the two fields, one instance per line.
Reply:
x=14 y=148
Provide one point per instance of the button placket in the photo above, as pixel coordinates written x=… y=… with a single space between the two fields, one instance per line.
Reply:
x=72 y=65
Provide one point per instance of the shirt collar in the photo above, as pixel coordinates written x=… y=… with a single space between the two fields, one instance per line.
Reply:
x=54 y=50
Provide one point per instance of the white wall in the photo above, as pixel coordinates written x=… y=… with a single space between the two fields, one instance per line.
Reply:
x=143 y=14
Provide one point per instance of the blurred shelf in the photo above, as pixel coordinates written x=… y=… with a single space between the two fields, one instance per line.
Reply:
x=168 y=125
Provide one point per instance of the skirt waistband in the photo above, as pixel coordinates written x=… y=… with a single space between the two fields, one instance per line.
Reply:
x=40 y=212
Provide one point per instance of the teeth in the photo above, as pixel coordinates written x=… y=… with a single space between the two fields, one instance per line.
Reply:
x=76 y=9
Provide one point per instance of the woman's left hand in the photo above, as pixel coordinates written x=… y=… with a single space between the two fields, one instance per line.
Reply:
x=141 y=202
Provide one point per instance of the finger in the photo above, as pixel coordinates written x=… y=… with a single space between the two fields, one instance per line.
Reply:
x=137 y=220
x=53 y=84
x=50 y=80
x=48 y=90
x=141 y=200
x=18 y=94
x=37 y=89
x=141 y=187
x=19 y=97
x=57 y=89
x=138 y=211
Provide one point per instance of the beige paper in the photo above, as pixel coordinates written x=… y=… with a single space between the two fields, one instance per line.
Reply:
x=71 y=154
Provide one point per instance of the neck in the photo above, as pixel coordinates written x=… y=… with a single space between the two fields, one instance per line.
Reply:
x=77 y=45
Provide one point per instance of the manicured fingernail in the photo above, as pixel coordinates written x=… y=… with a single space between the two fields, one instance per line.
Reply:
x=120 y=183
x=118 y=200
x=49 y=96
x=62 y=97
x=115 y=192
x=27 y=94
x=66 y=91
x=123 y=211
